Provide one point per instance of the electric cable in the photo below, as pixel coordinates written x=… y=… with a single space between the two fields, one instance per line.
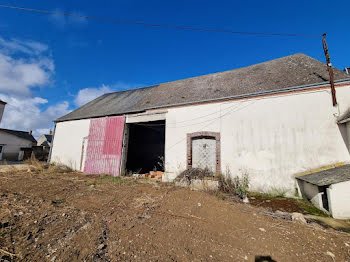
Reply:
x=166 y=26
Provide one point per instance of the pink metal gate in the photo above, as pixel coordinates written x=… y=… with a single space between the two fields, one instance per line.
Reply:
x=104 y=148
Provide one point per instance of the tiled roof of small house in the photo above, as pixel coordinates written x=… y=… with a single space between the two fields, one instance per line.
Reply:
x=345 y=117
x=48 y=138
x=329 y=176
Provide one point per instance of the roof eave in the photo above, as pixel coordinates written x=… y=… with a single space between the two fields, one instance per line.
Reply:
x=248 y=95
x=344 y=121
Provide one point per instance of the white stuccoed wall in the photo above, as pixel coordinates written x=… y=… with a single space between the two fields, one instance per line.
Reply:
x=67 y=144
x=269 y=138
x=339 y=200
x=12 y=145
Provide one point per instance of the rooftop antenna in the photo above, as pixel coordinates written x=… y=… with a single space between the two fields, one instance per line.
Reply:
x=330 y=68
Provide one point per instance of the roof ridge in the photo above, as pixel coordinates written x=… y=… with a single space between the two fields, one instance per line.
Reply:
x=19 y=133
x=14 y=130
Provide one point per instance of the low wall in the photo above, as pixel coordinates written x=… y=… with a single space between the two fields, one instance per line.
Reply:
x=312 y=193
x=339 y=200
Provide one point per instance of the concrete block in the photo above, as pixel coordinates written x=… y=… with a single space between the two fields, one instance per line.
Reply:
x=204 y=184
x=183 y=183
x=168 y=177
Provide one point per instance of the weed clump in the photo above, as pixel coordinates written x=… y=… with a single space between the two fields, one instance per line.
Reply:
x=278 y=192
x=238 y=185
x=47 y=168
x=110 y=178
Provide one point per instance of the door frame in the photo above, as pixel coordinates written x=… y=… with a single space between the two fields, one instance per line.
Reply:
x=204 y=134
x=2 y=150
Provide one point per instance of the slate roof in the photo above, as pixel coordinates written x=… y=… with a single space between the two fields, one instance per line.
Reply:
x=345 y=117
x=329 y=176
x=286 y=72
x=20 y=134
x=48 y=138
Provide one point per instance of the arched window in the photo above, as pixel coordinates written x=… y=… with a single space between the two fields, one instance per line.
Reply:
x=203 y=151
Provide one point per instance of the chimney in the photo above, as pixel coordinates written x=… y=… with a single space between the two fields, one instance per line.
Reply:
x=30 y=132
x=50 y=132
x=347 y=70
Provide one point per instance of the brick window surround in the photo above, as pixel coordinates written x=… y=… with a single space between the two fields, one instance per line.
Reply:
x=204 y=134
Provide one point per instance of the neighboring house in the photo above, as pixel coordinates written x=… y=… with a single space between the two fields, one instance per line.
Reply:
x=45 y=140
x=42 y=150
x=270 y=121
x=329 y=190
x=16 y=145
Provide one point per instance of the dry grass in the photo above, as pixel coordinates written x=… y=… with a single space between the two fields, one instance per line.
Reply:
x=195 y=173
x=47 y=168
x=237 y=185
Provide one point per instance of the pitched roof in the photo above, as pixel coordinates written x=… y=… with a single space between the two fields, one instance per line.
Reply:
x=345 y=117
x=290 y=71
x=48 y=138
x=46 y=142
x=329 y=176
x=20 y=134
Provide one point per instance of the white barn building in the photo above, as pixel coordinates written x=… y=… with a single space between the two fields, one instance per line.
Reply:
x=270 y=121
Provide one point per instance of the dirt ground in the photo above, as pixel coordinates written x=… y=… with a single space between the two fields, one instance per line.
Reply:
x=276 y=204
x=76 y=217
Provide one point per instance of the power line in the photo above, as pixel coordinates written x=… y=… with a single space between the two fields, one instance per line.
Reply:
x=201 y=129
x=187 y=120
x=221 y=111
x=186 y=28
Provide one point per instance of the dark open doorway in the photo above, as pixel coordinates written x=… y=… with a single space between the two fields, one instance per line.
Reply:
x=146 y=146
x=325 y=204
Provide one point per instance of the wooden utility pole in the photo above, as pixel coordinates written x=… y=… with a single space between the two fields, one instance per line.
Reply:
x=330 y=69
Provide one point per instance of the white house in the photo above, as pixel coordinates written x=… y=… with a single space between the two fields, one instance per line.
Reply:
x=269 y=121
x=15 y=145
x=45 y=140
x=329 y=190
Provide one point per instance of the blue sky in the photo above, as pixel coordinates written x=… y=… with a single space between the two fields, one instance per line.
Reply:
x=49 y=64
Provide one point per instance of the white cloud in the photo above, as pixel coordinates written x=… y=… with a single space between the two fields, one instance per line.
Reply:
x=25 y=65
x=87 y=94
x=24 y=114
x=32 y=69
x=28 y=47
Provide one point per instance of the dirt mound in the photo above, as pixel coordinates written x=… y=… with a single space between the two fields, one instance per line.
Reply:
x=75 y=217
